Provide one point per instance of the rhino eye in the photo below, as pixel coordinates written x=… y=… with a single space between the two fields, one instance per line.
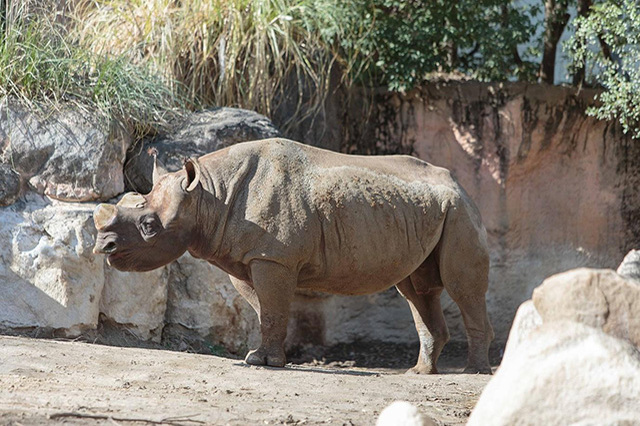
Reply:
x=149 y=226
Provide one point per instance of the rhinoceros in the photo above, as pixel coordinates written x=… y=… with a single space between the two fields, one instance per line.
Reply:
x=277 y=216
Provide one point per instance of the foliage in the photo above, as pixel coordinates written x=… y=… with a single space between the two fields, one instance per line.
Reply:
x=223 y=52
x=252 y=53
x=607 y=44
x=406 y=40
x=38 y=64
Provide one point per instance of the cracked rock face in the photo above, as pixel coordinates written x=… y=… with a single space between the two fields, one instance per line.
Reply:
x=200 y=133
x=64 y=154
x=630 y=266
x=50 y=277
x=9 y=185
x=202 y=298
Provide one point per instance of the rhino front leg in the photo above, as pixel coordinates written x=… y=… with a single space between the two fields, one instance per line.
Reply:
x=274 y=286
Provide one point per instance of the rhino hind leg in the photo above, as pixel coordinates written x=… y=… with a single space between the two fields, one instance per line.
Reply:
x=463 y=261
x=274 y=286
x=424 y=301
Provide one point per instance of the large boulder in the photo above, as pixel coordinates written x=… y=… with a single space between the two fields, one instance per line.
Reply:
x=566 y=373
x=66 y=154
x=595 y=297
x=48 y=275
x=526 y=320
x=200 y=133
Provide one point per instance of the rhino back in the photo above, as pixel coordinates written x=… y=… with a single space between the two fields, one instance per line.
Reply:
x=342 y=220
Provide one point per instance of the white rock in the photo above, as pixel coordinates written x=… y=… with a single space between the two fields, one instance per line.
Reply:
x=402 y=413
x=596 y=297
x=630 y=266
x=136 y=300
x=202 y=298
x=564 y=373
x=49 y=276
x=526 y=320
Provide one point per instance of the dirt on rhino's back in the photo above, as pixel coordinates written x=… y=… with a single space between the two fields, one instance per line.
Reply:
x=352 y=219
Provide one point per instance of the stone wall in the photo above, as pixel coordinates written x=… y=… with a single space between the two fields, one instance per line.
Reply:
x=556 y=189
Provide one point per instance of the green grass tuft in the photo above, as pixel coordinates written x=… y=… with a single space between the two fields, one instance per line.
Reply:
x=40 y=65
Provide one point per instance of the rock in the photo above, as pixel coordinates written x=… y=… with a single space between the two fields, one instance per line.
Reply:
x=565 y=373
x=200 y=133
x=50 y=277
x=202 y=298
x=65 y=154
x=526 y=320
x=136 y=301
x=630 y=266
x=595 y=297
x=9 y=185
x=403 y=413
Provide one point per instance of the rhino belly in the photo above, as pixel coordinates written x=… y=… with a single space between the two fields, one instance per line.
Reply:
x=367 y=253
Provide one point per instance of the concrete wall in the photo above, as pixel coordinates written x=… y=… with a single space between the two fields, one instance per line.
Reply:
x=556 y=188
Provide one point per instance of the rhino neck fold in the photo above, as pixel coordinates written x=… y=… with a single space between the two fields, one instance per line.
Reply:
x=215 y=204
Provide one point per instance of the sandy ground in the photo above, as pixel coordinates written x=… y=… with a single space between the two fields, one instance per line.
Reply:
x=51 y=382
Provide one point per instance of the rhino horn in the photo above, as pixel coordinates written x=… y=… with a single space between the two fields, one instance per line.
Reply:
x=103 y=215
x=158 y=170
x=132 y=200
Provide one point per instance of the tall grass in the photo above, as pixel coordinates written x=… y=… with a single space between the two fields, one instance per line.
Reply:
x=42 y=66
x=247 y=53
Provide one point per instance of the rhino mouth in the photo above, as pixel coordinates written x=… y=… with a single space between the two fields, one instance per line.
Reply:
x=109 y=248
x=114 y=257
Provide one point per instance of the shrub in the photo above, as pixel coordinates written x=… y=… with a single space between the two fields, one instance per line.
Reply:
x=607 y=44
x=41 y=66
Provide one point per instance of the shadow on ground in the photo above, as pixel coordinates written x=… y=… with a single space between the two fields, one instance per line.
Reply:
x=392 y=357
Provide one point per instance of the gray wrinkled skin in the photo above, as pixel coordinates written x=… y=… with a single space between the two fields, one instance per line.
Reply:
x=278 y=215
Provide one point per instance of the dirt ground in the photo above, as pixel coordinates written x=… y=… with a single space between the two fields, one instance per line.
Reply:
x=46 y=381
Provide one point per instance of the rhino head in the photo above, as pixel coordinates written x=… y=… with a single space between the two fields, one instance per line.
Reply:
x=145 y=232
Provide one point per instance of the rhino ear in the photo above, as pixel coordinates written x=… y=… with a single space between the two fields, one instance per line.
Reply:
x=192 y=168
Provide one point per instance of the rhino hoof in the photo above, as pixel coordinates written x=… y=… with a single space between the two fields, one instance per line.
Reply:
x=422 y=369
x=261 y=357
x=478 y=370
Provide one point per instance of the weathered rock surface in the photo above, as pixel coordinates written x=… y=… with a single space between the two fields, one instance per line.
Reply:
x=526 y=320
x=556 y=189
x=200 y=133
x=67 y=155
x=630 y=266
x=202 y=298
x=48 y=274
x=565 y=373
x=9 y=185
x=595 y=297
x=136 y=301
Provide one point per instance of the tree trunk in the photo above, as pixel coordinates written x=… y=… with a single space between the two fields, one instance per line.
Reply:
x=451 y=47
x=583 y=11
x=556 y=18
